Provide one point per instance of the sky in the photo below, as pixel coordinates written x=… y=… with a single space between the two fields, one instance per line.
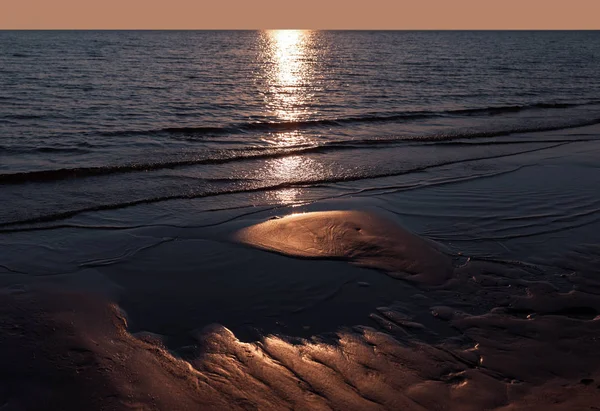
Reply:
x=301 y=14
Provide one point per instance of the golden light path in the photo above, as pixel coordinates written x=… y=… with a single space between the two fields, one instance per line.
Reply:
x=289 y=79
x=290 y=76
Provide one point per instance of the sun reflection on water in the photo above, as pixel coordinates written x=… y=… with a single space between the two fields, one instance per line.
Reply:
x=287 y=169
x=290 y=73
x=289 y=84
x=286 y=196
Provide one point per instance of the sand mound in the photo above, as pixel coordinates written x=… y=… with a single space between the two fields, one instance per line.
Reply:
x=362 y=238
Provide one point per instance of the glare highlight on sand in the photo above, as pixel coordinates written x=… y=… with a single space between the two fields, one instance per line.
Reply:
x=365 y=239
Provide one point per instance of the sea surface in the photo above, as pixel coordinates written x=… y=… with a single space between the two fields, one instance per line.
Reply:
x=131 y=161
x=103 y=120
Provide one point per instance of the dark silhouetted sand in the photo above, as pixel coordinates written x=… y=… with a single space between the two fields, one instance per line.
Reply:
x=536 y=350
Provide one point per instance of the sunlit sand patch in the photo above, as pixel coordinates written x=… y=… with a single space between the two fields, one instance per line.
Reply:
x=362 y=238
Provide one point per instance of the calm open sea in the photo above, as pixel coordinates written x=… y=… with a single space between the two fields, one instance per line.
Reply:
x=103 y=120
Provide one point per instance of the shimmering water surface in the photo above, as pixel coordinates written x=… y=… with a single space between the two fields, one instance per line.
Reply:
x=96 y=120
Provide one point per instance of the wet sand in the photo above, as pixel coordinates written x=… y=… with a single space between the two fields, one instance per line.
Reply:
x=338 y=304
x=359 y=237
x=537 y=351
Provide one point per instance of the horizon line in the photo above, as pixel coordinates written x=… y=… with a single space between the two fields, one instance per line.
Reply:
x=292 y=28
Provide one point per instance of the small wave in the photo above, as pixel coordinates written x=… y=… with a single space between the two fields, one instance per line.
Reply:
x=370 y=118
x=46 y=149
x=20 y=116
x=518 y=108
x=79 y=172
x=266 y=126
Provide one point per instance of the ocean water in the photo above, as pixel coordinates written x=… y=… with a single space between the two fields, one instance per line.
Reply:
x=106 y=120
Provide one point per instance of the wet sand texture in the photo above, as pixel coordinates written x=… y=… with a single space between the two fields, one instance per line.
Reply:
x=71 y=351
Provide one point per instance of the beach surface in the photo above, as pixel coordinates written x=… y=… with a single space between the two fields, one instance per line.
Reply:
x=333 y=304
